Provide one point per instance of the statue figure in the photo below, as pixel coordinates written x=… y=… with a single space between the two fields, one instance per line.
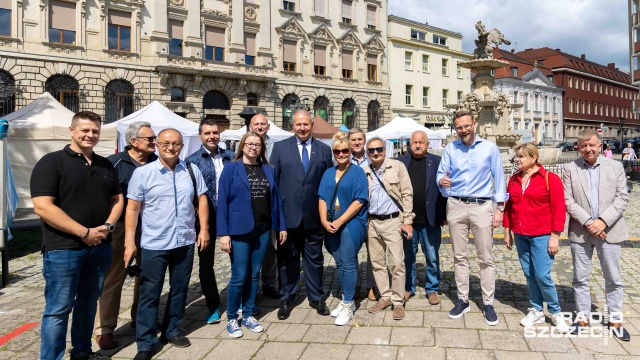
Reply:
x=485 y=41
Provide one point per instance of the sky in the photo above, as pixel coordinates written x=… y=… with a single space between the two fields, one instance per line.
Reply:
x=596 y=28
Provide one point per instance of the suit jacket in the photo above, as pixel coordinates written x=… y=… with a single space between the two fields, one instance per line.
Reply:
x=435 y=203
x=398 y=185
x=235 y=210
x=299 y=191
x=613 y=199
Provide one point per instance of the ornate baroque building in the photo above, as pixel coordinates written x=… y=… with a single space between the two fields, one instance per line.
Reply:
x=209 y=58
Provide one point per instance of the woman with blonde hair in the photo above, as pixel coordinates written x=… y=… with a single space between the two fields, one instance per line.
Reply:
x=344 y=198
x=249 y=206
x=536 y=212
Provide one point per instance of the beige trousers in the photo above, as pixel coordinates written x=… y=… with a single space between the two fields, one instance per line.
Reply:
x=385 y=235
x=477 y=218
x=109 y=302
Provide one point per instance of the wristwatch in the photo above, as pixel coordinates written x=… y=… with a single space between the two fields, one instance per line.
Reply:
x=110 y=227
x=501 y=208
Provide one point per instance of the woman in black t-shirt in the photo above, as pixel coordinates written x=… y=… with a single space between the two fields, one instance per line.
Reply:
x=249 y=205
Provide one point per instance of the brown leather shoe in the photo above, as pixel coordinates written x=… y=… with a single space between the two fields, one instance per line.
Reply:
x=398 y=312
x=380 y=305
x=433 y=297
x=107 y=341
x=372 y=294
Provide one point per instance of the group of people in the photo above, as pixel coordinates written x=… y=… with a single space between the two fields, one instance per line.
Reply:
x=274 y=205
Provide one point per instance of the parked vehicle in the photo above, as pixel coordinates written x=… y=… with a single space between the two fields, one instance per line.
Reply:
x=566 y=146
x=575 y=146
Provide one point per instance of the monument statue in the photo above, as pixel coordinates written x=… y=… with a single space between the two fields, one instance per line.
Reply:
x=485 y=41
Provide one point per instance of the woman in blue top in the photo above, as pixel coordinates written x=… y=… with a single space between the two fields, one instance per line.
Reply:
x=249 y=205
x=345 y=221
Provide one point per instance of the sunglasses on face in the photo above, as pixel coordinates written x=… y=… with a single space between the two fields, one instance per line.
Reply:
x=373 y=150
x=337 y=152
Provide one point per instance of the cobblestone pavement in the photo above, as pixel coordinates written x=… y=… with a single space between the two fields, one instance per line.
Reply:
x=426 y=331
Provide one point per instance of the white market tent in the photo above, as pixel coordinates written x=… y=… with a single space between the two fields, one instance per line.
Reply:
x=402 y=128
x=160 y=118
x=38 y=129
x=274 y=132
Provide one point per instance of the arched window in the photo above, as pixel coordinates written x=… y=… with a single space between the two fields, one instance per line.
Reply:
x=215 y=99
x=7 y=93
x=65 y=89
x=349 y=113
x=374 y=113
x=252 y=99
x=118 y=100
x=290 y=104
x=321 y=107
x=177 y=94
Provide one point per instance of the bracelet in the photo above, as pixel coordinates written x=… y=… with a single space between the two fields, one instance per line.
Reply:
x=85 y=235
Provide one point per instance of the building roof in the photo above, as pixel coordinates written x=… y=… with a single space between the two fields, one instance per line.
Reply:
x=524 y=66
x=425 y=26
x=557 y=59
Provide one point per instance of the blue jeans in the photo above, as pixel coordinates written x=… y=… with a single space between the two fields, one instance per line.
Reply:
x=344 y=250
x=536 y=264
x=154 y=266
x=73 y=281
x=247 y=254
x=429 y=239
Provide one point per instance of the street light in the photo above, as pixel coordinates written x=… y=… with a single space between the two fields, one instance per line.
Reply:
x=621 y=131
x=202 y=114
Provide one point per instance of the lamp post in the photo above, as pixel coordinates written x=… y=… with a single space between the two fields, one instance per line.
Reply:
x=202 y=114
x=247 y=113
x=621 y=132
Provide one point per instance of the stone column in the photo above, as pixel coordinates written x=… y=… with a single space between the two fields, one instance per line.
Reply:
x=236 y=48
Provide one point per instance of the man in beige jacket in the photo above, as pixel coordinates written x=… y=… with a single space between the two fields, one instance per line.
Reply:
x=390 y=216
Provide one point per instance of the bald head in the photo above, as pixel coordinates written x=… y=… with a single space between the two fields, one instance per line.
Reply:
x=259 y=124
x=419 y=144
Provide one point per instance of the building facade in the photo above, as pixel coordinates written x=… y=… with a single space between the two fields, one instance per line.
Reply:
x=634 y=47
x=423 y=61
x=531 y=85
x=208 y=59
x=594 y=94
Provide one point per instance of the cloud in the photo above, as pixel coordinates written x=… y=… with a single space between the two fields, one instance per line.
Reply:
x=596 y=28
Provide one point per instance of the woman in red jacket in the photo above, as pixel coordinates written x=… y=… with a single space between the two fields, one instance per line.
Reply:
x=536 y=212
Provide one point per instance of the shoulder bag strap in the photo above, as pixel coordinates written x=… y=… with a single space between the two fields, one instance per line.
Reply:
x=385 y=189
x=195 y=189
x=335 y=191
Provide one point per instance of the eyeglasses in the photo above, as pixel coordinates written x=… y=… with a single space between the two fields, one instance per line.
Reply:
x=250 y=145
x=165 y=145
x=373 y=150
x=337 y=152
x=148 y=138
x=466 y=127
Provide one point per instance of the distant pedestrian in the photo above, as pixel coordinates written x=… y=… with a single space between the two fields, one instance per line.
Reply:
x=76 y=194
x=628 y=153
x=607 y=152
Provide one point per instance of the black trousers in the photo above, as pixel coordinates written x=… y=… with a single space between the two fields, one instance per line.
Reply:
x=207 y=275
x=305 y=243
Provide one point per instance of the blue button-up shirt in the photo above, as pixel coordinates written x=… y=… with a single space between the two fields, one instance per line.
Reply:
x=472 y=169
x=363 y=164
x=380 y=202
x=594 y=187
x=168 y=216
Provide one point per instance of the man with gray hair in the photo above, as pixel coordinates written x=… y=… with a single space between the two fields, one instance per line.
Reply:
x=141 y=144
x=595 y=192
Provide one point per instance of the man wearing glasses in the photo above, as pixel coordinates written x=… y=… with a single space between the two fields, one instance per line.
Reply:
x=210 y=159
x=470 y=169
x=164 y=194
x=141 y=144
x=390 y=219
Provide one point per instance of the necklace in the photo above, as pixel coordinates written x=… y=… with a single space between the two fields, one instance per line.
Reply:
x=253 y=171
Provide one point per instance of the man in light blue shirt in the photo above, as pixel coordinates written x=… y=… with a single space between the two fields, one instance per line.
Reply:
x=165 y=194
x=471 y=176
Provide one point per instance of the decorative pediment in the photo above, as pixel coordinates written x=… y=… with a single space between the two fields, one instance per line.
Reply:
x=322 y=35
x=350 y=40
x=374 y=44
x=292 y=28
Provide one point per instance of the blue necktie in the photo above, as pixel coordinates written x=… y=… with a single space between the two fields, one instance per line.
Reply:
x=305 y=157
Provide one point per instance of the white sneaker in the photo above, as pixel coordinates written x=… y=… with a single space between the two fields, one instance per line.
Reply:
x=335 y=312
x=533 y=317
x=345 y=315
x=560 y=323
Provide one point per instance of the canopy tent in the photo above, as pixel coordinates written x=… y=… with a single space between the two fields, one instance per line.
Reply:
x=402 y=128
x=274 y=132
x=38 y=129
x=322 y=129
x=160 y=118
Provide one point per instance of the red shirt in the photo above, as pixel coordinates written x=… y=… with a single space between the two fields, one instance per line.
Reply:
x=536 y=210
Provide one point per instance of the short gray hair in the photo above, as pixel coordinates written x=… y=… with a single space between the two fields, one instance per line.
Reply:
x=356 y=131
x=587 y=134
x=134 y=130
x=376 y=138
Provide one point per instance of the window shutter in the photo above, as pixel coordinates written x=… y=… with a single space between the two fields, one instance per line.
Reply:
x=320 y=55
x=372 y=59
x=250 y=43
x=319 y=7
x=120 y=18
x=175 y=29
x=371 y=15
x=346 y=9
x=62 y=15
x=347 y=60
x=214 y=36
x=289 y=51
x=5 y=4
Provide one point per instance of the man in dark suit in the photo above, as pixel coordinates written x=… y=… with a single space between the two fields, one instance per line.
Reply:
x=299 y=164
x=430 y=209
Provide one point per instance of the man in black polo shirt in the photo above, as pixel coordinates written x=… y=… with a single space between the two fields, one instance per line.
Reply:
x=76 y=194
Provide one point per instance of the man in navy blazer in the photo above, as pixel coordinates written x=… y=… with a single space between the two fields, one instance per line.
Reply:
x=210 y=159
x=299 y=164
x=430 y=209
